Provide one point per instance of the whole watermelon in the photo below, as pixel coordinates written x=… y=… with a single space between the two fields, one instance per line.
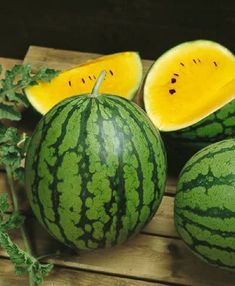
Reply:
x=205 y=204
x=95 y=171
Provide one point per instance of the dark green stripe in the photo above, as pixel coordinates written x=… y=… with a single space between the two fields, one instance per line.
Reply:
x=222 y=233
x=116 y=182
x=186 y=186
x=219 y=117
x=35 y=183
x=115 y=106
x=208 y=152
x=215 y=212
x=197 y=243
x=135 y=114
x=83 y=168
x=50 y=119
x=55 y=194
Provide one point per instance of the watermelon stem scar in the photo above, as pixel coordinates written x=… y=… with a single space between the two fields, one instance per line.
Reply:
x=98 y=82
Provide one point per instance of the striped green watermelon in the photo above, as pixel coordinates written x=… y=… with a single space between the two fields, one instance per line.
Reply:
x=205 y=204
x=95 y=170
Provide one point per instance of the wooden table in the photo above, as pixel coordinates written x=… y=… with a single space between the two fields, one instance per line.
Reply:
x=154 y=257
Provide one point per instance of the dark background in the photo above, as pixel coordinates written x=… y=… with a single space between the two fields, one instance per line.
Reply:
x=105 y=26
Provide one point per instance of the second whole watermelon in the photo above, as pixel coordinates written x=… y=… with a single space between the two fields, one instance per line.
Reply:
x=204 y=208
x=95 y=171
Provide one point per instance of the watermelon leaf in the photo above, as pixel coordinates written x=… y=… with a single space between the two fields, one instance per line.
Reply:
x=14 y=221
x=3 y=205
x=12 y=87
x=13 y=147
x=24 y=262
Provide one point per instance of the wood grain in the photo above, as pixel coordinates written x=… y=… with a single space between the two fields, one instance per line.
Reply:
x=56 y=59
x=63 y=276
x=163 y=221
x=8 y=63
x=63 y=59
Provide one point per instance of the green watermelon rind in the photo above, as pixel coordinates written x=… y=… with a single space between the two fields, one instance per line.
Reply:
x=217 y=126
x=200 y=203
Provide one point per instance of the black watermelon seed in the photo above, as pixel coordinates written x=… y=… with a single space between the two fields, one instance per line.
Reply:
x=173 y=80
x=83 y=80
x=172 y=91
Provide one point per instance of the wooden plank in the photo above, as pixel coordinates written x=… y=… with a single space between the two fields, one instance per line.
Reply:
x=61 y=276
x=56 y=59
x=63 y=59
x=8 y=63
x=152 y=258
x=163 y=221
x=171 y=185
x=145 y=257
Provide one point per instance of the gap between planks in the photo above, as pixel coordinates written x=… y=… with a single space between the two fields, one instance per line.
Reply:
x=150 y=282
x=64 y=276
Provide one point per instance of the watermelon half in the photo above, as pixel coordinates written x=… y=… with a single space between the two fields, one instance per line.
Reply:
x=123 y=78
x=189 y=92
